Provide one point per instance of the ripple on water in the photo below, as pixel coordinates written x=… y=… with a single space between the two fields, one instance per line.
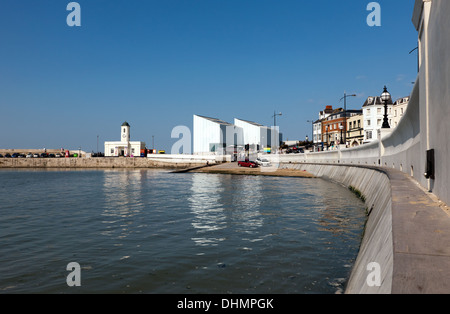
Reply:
x=156 y=232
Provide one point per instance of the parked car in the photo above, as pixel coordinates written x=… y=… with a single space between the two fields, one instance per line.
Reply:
x=58 y=155
x=8 y=155
x=247 y=163
x=35 y=155
x=52 y=156
x=44 y=155
x=15 y=155
x=29 y=155
x=1 y=156
x=262 y=162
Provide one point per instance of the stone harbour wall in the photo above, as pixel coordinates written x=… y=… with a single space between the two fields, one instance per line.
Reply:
x=97 y=162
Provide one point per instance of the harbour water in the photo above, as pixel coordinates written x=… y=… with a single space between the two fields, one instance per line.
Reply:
x=152 y=231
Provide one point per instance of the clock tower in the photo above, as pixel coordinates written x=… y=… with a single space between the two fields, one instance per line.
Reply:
x=125 y=132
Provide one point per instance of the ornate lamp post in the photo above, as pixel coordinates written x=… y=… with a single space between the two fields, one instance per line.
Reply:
x=385 y=97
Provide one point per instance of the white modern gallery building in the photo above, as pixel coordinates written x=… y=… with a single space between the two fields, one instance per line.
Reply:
x=124 y=147
x=255 y=134
x=214 y=136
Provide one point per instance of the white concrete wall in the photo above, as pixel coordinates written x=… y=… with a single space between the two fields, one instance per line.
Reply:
x=439 y=95
x=205 y=132
x=251 y=132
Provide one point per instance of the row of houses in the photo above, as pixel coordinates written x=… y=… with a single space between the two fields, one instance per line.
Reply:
x=355 y=127
x=215 y=136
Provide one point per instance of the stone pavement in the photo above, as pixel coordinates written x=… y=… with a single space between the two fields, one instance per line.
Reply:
x=421 y=238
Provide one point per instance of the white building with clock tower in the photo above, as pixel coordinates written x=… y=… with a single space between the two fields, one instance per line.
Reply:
x=124 y=147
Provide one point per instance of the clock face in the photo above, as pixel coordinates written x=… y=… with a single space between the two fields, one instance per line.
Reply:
x=124 y=135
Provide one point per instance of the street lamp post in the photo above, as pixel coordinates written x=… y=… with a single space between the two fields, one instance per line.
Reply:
x=326 y=128
x=274 y=126
x=345 y=112
x=275 y=118
x=342 y=139
x=312 y=131
x=385 y=97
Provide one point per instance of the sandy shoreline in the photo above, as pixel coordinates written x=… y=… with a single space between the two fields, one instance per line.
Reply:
x=232 y=168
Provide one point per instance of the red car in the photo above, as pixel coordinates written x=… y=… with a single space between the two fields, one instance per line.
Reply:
x=247 y=163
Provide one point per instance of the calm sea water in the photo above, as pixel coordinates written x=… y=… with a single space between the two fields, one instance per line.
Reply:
x=151 y=231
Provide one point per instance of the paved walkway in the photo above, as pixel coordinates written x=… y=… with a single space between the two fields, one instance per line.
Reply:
x=421 y=238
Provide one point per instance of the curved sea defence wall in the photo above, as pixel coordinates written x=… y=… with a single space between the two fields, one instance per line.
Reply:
x=406 y=235
x=412 y=161
x=377 y=243
x=425 y=125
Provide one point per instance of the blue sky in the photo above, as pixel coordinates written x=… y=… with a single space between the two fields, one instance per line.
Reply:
x=155 y=63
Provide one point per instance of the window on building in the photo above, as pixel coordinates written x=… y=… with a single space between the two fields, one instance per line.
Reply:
x=368 y=122
x=401 y=111
x=369 y=135
x=132 y=150
x=379 y=122
x=112 y=150
x=378 y=110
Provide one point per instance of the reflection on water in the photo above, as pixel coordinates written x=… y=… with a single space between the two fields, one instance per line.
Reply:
x=157 y=232
x=248 y=196
x=332 y=218
x=211 y=194
x=122 y=192
x=205 y=204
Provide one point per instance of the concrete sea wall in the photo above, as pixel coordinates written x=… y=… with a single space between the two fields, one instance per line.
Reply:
x=404 y=175
x=406 y=235
x=377 y=243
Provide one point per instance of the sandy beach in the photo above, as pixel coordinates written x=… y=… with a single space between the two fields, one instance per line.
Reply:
x=233 y=168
